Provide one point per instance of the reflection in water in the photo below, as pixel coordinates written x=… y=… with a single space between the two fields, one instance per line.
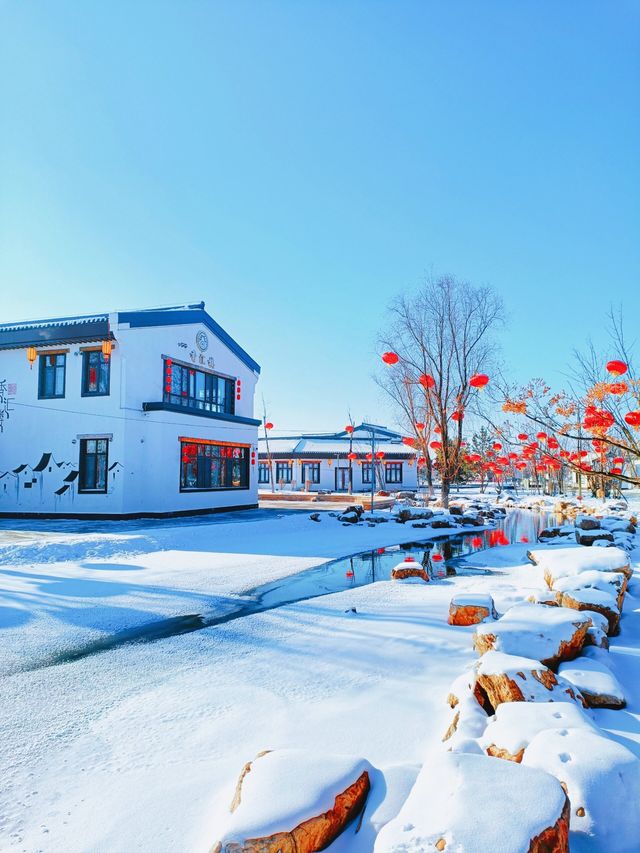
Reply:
x=440 y=557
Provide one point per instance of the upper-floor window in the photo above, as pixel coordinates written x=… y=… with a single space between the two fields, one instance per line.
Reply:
x=51 y=375
x=95 y=374
x=94 y=461
x=393 y=472
x=195 y=389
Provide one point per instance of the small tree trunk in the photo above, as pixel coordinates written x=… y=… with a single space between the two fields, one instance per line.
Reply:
x=444 y=492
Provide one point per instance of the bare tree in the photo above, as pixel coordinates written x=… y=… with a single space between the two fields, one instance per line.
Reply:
x=443 y=335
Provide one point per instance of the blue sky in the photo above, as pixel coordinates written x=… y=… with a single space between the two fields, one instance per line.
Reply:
x=296 y=164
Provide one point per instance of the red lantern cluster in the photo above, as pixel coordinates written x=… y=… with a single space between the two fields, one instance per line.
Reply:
x=238 y=389
x=598 y=421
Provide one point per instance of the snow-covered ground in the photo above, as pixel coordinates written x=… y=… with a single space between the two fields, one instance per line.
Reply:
x=133 y=749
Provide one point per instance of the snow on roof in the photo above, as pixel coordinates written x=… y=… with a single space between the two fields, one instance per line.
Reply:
x=332 y=444
x=75 y=329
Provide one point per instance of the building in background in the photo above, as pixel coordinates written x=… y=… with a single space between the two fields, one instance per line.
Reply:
x=322 y=462
x=133 y=413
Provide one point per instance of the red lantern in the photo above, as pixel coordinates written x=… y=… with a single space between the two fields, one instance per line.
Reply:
x=437 y=430
x=380 y=454
x=390 y=357
x=426 y=380
x=497 y=445
x=435 y=445
x=541 y=436
x=476 y=542
x=479 y=381
x=616 y=470
x=457 y=416
x=352 y=457
x=349 y=429
x=268 y=425
x=633 y=419
x=524 y=538
x=419 y=425
x=369 y=457
x=522 y=436
x=410 y=442
x=616 y=368
x=437 y=558
x=421 y=461
x=619 y=460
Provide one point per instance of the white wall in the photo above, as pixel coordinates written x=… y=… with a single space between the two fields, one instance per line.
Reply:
x=328 y=481
x=143 y=446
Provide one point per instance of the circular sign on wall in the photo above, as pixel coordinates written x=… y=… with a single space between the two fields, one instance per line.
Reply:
x=202 y=341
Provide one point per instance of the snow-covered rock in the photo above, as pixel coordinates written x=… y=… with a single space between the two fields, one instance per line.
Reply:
x=612 y=582
x=510 y=678
x=547 y=634
x=589 y=599
x=475 y=804
x=563 y=562
x=409 y=569
x=471 y=609
x=602 y=779
x=293 y=800
x=595 y=681
x=515 y=724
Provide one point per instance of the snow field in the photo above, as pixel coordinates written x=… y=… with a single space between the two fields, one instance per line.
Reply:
x=138 y=748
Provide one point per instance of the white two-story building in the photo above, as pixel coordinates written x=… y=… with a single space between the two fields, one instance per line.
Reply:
x=133 y=413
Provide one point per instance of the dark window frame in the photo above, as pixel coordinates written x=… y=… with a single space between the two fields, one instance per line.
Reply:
x=366 y=471
x=224 y=456
x=86 y=367
x=82 y=466
x=315 y=480
x=199 y=390
x=282 y=466
x=396 y=469
x=43 y=368
x=264 y=469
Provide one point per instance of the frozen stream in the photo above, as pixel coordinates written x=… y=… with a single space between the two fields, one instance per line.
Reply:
x=334 y=576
